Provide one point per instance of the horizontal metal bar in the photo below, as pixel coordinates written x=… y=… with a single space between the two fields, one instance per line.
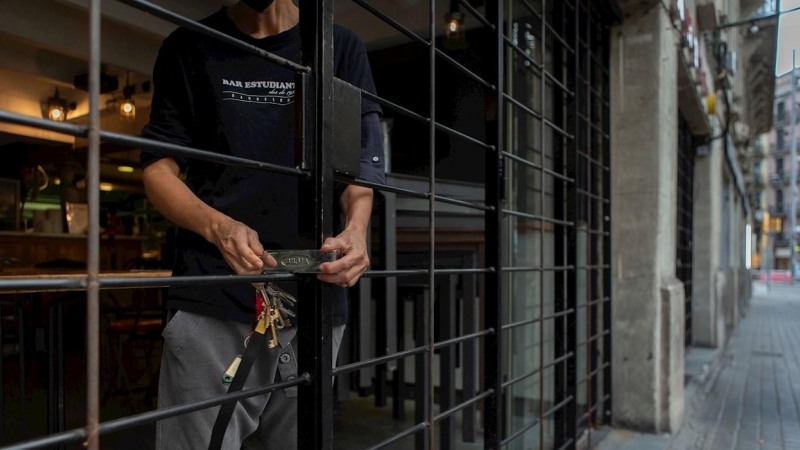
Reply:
x=464 y=203
x=522 y=53
x=123 y=282
x=405 y=353
x=463 y=69
x=591 y=195
x=415 y=194
x=379 y=360
x=537 y=269
x=594 y=302
x=559 y=38
x=399 y=436
x=592 y=160
x=466 y=337
x=593 y=125
x=537 y=217
x=69 y=129
x=567 y=444
x=530 y=8
x=394 y=273
x=557 y=129
x=477 y=14
x=394 y=106
x=464 y=271
x=597 y=232
x=591 y=374
x=180 y=20
x=524 y=429
x=594 y=407
x=532 y=164
x=537 y=319
x=594 y=267
x=43 y=285
x=522 y=106
x=593 y=338
x=537 y=370
x=392 y=23
x=463 y=405
x=179 y=150
x=453 y=132
x=125 y=423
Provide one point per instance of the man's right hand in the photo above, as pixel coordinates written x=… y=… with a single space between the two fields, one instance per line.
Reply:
x=240 y=246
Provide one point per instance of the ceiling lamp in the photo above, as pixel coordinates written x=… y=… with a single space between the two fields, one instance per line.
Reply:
x=127 y=107
x=57 y=108
x=454 y=32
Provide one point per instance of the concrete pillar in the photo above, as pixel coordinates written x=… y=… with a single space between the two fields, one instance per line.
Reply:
x=708 y=320
x=648 y=312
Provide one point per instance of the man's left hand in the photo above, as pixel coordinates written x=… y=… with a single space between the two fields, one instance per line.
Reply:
x=345 y=271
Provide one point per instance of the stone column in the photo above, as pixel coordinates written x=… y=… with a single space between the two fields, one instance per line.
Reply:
x=648 y=307
x=708 y=321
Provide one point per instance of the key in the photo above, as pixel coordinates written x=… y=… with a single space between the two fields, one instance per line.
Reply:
x=272 y=343
x=227 y=377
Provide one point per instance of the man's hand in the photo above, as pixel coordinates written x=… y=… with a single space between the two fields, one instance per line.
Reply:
x=239 y=246
x=345 y=271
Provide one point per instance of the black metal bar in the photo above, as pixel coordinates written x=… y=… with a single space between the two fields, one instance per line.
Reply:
x=537 y=217
x=567 y=444
x=573 y=212
x=467 y=337
x=468 y=379
x=593 y=302
x=522 y=106
x=527 y=427
x=594 y=337
x=399 y=376
x=466 y=204
x=537 y=269
x=607 y=243
x=541 y=369
x=521 y=323
x=179 y=150
x=315 y=400
x=586 y=193
x=399 y=436
x=537 y=166
x=591 y=410
x=410 y=193
x=421 y=391
x=179 y=20
x=463 y=271
x=538 y=66
x=593 y=161
x=593 y=267
x=42 y=124
x=395 y=107
x=431 y=308
x=463 y=405
x=22 y=389
x=41 y=285
x=461 y=68
x=494 y=176
x=447 y=360
x=126 y=423
x=453 y=132
x=392 y=23
x=476 y=14
x=93 y=238
x=594 y=372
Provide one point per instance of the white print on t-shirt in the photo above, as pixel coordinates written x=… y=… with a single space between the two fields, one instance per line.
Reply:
x=273 y=92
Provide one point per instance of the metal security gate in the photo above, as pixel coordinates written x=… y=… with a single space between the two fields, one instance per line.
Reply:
x=685 y=185
x=545 y=321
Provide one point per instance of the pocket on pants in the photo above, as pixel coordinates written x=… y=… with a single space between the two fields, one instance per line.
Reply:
x=180 y=329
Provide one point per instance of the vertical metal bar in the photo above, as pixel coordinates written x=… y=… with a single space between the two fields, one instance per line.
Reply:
x=447 y=360
x=421 y=404
x=432 y=222
x=22 y=390
x=2 y=383
x=591 y=327
x=399 y=377
x=607 y=231
x=93 y=239
x=315 y=400
x=559 y=230
x=543 y=163
x=60 y=369
x=793 y=186
x=51 y=371
x=468 y=349
x=494 y=298
x=573 y=215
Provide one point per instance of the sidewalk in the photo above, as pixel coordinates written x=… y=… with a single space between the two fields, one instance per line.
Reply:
x=752 y=401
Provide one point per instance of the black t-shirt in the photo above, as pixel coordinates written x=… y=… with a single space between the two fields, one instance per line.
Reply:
x=213 y=96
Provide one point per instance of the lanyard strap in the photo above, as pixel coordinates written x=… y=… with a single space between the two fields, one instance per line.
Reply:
x=226 y=410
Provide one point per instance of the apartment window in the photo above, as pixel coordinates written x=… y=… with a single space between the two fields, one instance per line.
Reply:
x=781 y=111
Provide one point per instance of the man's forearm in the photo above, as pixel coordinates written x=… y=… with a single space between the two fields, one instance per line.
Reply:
x=356 y=205
x=176 y=201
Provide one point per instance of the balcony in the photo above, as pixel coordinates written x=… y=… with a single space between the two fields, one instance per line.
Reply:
x=779 y=150
x=777 y=211
x=778 y=178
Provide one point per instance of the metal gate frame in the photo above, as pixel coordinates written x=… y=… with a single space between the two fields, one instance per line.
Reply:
x=577 y=32
x=685 y=230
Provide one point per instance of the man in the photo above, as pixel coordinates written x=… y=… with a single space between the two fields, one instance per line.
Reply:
x=213 y=96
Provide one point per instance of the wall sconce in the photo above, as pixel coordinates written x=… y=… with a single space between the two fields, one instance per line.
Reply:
x=58 y=107
x=454 y=32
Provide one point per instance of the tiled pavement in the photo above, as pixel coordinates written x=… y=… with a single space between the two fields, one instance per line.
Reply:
x=752 y=400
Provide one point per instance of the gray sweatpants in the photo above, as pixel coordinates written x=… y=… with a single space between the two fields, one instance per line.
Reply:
x=197 y=350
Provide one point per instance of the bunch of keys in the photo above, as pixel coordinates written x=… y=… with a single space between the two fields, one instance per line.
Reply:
x=272 y=314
